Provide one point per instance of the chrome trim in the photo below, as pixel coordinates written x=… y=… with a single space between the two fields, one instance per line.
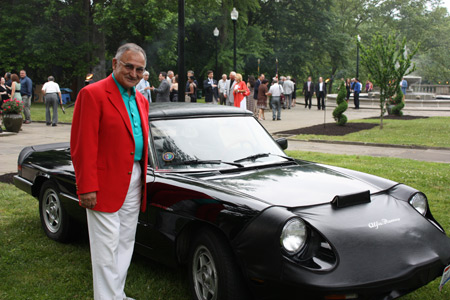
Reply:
x=17 y=177
x=67 y=196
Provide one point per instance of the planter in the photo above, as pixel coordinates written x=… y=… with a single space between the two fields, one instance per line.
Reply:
x=12 y=122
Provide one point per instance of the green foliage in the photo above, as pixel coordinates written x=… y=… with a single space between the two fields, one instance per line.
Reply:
x=338 y=112
x=387 y=61
x=398 y=102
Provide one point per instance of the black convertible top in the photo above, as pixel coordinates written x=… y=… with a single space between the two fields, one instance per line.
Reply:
x=164 y=110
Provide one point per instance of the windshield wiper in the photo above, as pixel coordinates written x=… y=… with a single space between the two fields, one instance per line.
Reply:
x=212 y=162
x=256 y=156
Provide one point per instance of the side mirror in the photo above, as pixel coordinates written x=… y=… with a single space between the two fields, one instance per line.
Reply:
x=282 y=142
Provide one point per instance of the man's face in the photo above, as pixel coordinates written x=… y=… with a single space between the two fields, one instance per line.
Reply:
x=309 y=78
x=2 y=80
x=129 y=70
x=232 y=76
x=262 y=77
x=170 y=75
x=210 y=75
x=146 y=77
x=224 y=77
x=161 y=78
x=189 y=74
x=23 y=74
x=320 y=79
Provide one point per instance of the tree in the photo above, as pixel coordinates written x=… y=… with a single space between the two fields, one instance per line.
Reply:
x=387 y=61
x=338 y=112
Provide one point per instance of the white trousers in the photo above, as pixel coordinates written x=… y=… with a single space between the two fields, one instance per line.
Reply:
x=111 y=238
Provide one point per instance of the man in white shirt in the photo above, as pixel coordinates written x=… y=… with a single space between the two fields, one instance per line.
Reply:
x=288 y=87
x=170 y=76
x=321 y=93
x=222 y=83
x=51 y=92
x=275 y=92
x=144 y=87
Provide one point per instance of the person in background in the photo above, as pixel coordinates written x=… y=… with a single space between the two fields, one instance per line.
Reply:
x=192 y=93
x=4 y=95
x=251 y=103
x=229 y=88
x=356 y=87
x=26 y=89
x=321 y=93
x=109 y=150
x=15 y=88
x=143 y=87
x=294 y=92
x=348 y=87
x=288 y=87
x=52 y=96
x=403 y=86
x=8 y=82
x=262 y=98
x=174 y=89
x=369 y=86
x=170 y=76
x=240 y=92
x=308 y=91
x=275 y=92
x=163 y=91
x=189 y=74
x=222 y=83
x=257 y=84
x=210 y=87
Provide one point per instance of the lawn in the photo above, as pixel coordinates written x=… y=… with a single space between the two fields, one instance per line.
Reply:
x=432 y=132
x=38 y=113
x=34 y=267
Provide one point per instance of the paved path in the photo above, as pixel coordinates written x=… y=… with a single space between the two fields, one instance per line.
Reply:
x=298 y=117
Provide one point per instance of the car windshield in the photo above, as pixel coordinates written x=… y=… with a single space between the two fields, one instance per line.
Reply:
x=212 y=143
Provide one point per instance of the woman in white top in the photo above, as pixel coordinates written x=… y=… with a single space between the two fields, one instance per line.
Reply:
x=52 y=96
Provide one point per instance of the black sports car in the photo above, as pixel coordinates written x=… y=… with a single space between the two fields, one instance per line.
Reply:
x=251 y=222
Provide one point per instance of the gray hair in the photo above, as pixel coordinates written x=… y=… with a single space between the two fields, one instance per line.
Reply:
x=233 y=73
x=146 y=73
x=288 y=78
x=51 y=78
x=130 y=47
x=275 y=79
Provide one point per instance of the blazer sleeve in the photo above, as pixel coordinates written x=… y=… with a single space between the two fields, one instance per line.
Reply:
x=84 y=141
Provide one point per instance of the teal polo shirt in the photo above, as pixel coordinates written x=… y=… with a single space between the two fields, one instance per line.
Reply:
x=135 y=119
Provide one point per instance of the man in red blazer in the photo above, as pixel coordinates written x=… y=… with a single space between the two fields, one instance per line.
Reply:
x=109 y=153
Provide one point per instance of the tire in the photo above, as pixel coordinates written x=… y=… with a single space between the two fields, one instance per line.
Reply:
x=213 y=272
x=54 y=219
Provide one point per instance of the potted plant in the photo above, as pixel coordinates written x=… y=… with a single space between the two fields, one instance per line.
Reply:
x=12 y=114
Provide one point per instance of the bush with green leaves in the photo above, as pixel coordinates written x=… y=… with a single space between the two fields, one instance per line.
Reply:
x=338 y=112
x=398 y=102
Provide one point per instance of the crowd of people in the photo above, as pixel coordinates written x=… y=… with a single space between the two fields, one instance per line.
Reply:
x=20 y=88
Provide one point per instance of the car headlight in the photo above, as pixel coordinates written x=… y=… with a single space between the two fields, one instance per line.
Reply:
x=294 y=234
x=420 y=203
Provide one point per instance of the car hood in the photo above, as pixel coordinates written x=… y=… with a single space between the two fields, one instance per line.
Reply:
x=299 y=185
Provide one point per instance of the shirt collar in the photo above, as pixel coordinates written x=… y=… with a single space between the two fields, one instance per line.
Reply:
x=122 y=90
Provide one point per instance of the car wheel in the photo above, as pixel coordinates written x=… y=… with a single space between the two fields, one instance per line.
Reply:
x=213 y=273
x=54 y=219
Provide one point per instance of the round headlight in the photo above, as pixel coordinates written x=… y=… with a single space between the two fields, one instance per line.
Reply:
x=419 y=202
x=293 y=236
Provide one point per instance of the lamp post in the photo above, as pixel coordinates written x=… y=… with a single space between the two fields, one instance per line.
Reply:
x=216 y=34
x=181 y=61
x=234 y=17
x=357 y=57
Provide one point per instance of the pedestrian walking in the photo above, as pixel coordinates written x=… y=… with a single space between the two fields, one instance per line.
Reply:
x=52 y=96
x=143 y=87
x=26 y=89
x=262 y=98
x=221 y=84
x=275 y=92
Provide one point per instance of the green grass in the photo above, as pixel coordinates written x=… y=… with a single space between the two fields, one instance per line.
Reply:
x=38 y=113
x=35 y=267
x=433 y=132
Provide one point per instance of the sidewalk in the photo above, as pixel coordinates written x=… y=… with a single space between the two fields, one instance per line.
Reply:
x=38 y=133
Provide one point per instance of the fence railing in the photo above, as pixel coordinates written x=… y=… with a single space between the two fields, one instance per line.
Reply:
x=431 y=88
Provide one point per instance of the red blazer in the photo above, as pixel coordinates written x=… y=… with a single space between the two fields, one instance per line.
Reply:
x=102 y=144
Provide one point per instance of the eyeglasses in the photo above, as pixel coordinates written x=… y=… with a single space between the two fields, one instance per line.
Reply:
x=131 y=67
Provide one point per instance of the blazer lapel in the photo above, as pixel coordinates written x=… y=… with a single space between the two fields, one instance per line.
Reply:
x=116 y=100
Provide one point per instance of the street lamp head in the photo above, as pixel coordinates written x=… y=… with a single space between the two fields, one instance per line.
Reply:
x=216 y=32
x=359 y=38
x=234 y=14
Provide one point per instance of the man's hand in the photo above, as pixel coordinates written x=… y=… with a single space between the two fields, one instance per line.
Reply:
x=88 y=200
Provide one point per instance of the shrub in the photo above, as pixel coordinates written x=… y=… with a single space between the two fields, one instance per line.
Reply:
x=338 y=112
